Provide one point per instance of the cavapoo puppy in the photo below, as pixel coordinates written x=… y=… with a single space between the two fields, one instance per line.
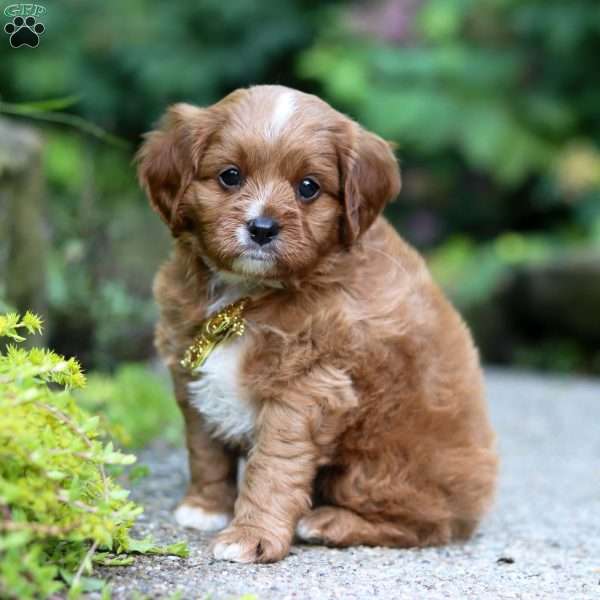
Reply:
x=306 y=339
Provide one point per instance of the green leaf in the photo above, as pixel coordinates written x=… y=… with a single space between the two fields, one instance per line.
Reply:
x=74 y=121
x=107 y=560
x=50 y=104
x=63 y=505
x=148 y=546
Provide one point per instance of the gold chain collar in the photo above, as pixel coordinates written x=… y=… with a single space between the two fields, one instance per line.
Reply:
x=214 y=330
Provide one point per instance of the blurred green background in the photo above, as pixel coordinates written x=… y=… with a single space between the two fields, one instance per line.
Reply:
x=494 y=106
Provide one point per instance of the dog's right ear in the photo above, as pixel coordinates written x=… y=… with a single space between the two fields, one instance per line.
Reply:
x=169 y=157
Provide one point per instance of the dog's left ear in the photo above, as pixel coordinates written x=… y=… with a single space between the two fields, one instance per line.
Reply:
x=370 y=179
x=169 y=157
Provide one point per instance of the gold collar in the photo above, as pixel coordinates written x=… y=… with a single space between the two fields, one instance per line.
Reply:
x=215 y=330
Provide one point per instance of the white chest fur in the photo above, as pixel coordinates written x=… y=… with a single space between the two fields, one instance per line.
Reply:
x=217 y=393
x=218 y=396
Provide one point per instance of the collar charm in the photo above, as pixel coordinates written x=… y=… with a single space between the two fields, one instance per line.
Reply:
x=215 y=330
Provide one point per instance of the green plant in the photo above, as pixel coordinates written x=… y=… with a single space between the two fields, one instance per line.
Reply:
x=471 y=272
x=137 y=404
x=50 y=111
x=124 y=60
x=491 y=102
x=60 y=511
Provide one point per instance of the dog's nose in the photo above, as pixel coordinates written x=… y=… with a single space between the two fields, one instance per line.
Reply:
x=263 y=229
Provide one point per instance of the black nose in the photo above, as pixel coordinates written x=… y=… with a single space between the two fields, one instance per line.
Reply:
x=263 y=229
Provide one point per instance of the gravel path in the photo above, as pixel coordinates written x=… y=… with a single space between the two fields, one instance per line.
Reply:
x=542 y=540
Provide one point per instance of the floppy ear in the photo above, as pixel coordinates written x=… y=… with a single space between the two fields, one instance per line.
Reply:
x=370 y=179
x=169 y=157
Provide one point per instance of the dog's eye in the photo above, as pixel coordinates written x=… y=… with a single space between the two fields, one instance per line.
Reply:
x=230 y=177
x=308 y=189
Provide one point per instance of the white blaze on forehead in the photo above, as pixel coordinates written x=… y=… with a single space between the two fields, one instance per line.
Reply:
x=285 y=105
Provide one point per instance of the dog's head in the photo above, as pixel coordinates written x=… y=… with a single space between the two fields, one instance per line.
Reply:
x=267 y=181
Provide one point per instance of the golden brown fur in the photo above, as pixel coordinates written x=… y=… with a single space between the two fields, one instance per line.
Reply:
x=371 y=424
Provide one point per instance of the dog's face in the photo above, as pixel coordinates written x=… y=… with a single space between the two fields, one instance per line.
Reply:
x=267 y=181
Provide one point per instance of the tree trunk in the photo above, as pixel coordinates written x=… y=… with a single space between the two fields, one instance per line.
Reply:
x=23 y=235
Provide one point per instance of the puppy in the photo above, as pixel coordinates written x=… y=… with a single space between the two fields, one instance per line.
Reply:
x=354 y=391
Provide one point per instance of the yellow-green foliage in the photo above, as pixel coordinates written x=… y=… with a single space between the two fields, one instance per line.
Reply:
x=58 y=505
x=136 y=403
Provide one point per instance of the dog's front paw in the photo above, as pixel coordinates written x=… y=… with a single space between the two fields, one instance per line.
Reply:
x=195 y=517
x=247 y=544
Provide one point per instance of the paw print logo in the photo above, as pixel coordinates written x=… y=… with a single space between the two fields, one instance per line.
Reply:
x=24 y=32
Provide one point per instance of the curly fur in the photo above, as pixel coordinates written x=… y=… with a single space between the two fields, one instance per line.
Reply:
x=363 y=383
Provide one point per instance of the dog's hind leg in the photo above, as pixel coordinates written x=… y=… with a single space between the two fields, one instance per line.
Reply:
x=337 y=526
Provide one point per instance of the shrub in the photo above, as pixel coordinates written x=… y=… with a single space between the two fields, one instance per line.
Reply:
x=493 y=104
x=60 y=511
x=137 y=404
